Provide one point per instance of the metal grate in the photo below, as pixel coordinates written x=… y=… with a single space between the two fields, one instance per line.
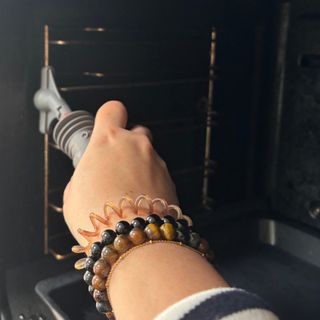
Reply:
x=163 y=78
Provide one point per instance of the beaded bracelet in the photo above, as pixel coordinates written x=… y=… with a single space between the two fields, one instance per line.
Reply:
x=103 y=256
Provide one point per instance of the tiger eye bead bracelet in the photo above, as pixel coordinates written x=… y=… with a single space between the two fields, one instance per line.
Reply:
x=104 y=255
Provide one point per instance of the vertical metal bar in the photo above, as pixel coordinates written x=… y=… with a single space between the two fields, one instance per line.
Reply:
x=46 y=156
x=209 y=119
x=46 y=46
x=277 y=101
x=46 y=187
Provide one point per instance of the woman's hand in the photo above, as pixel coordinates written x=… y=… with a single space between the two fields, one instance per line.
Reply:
x=116 y=162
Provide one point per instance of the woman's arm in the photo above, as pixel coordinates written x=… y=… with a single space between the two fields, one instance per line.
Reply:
x=152 y=279
x=118 y=162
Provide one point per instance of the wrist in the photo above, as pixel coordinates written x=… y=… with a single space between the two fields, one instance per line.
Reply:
x=154 y=277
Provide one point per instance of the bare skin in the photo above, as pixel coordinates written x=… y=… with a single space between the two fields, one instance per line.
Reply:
x=117 y=162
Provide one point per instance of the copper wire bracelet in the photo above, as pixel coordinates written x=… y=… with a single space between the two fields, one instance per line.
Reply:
x=99 y=223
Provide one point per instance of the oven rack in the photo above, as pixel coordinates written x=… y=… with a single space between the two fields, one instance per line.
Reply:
x=99 y=79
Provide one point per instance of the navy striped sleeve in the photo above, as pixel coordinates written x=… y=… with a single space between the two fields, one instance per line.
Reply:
x=219 y=304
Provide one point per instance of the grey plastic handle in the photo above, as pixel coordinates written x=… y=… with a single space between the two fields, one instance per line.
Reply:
x=48 y=100
x=72 y=134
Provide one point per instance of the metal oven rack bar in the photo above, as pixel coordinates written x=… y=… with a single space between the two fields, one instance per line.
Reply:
x=205 y=170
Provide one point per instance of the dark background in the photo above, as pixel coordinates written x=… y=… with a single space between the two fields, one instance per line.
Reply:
x=21 y=60
x=243 y=99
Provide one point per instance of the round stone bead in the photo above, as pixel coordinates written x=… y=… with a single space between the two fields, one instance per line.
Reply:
x=210 y=255
x=103 y=307
x=182 y=224
x=152 y=231
x=101 y=268
x=90 y=289
x=107 y=237
x=89 y=264
x=204 y=246
x=98 y=283
x=96 y=250
x=169 y=219
x=137 y=236
x=122 y=243
x=110 y=255
x=194 y=240
x=138 y=223
x=123 y=227
x=154 y=219
x=167 y=231
x=87 y=277
x=99 y=296
x=180 y=236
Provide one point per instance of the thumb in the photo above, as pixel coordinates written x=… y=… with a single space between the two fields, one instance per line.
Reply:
x=111 y=114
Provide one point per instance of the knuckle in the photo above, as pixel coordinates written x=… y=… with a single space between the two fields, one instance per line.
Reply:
x=143 y=130
x=163 y=164
x=144 y=143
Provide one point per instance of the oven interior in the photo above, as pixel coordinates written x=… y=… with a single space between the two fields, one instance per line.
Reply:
x=230 y=91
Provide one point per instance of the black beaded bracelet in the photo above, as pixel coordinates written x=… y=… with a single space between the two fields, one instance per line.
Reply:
x=104 y=254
